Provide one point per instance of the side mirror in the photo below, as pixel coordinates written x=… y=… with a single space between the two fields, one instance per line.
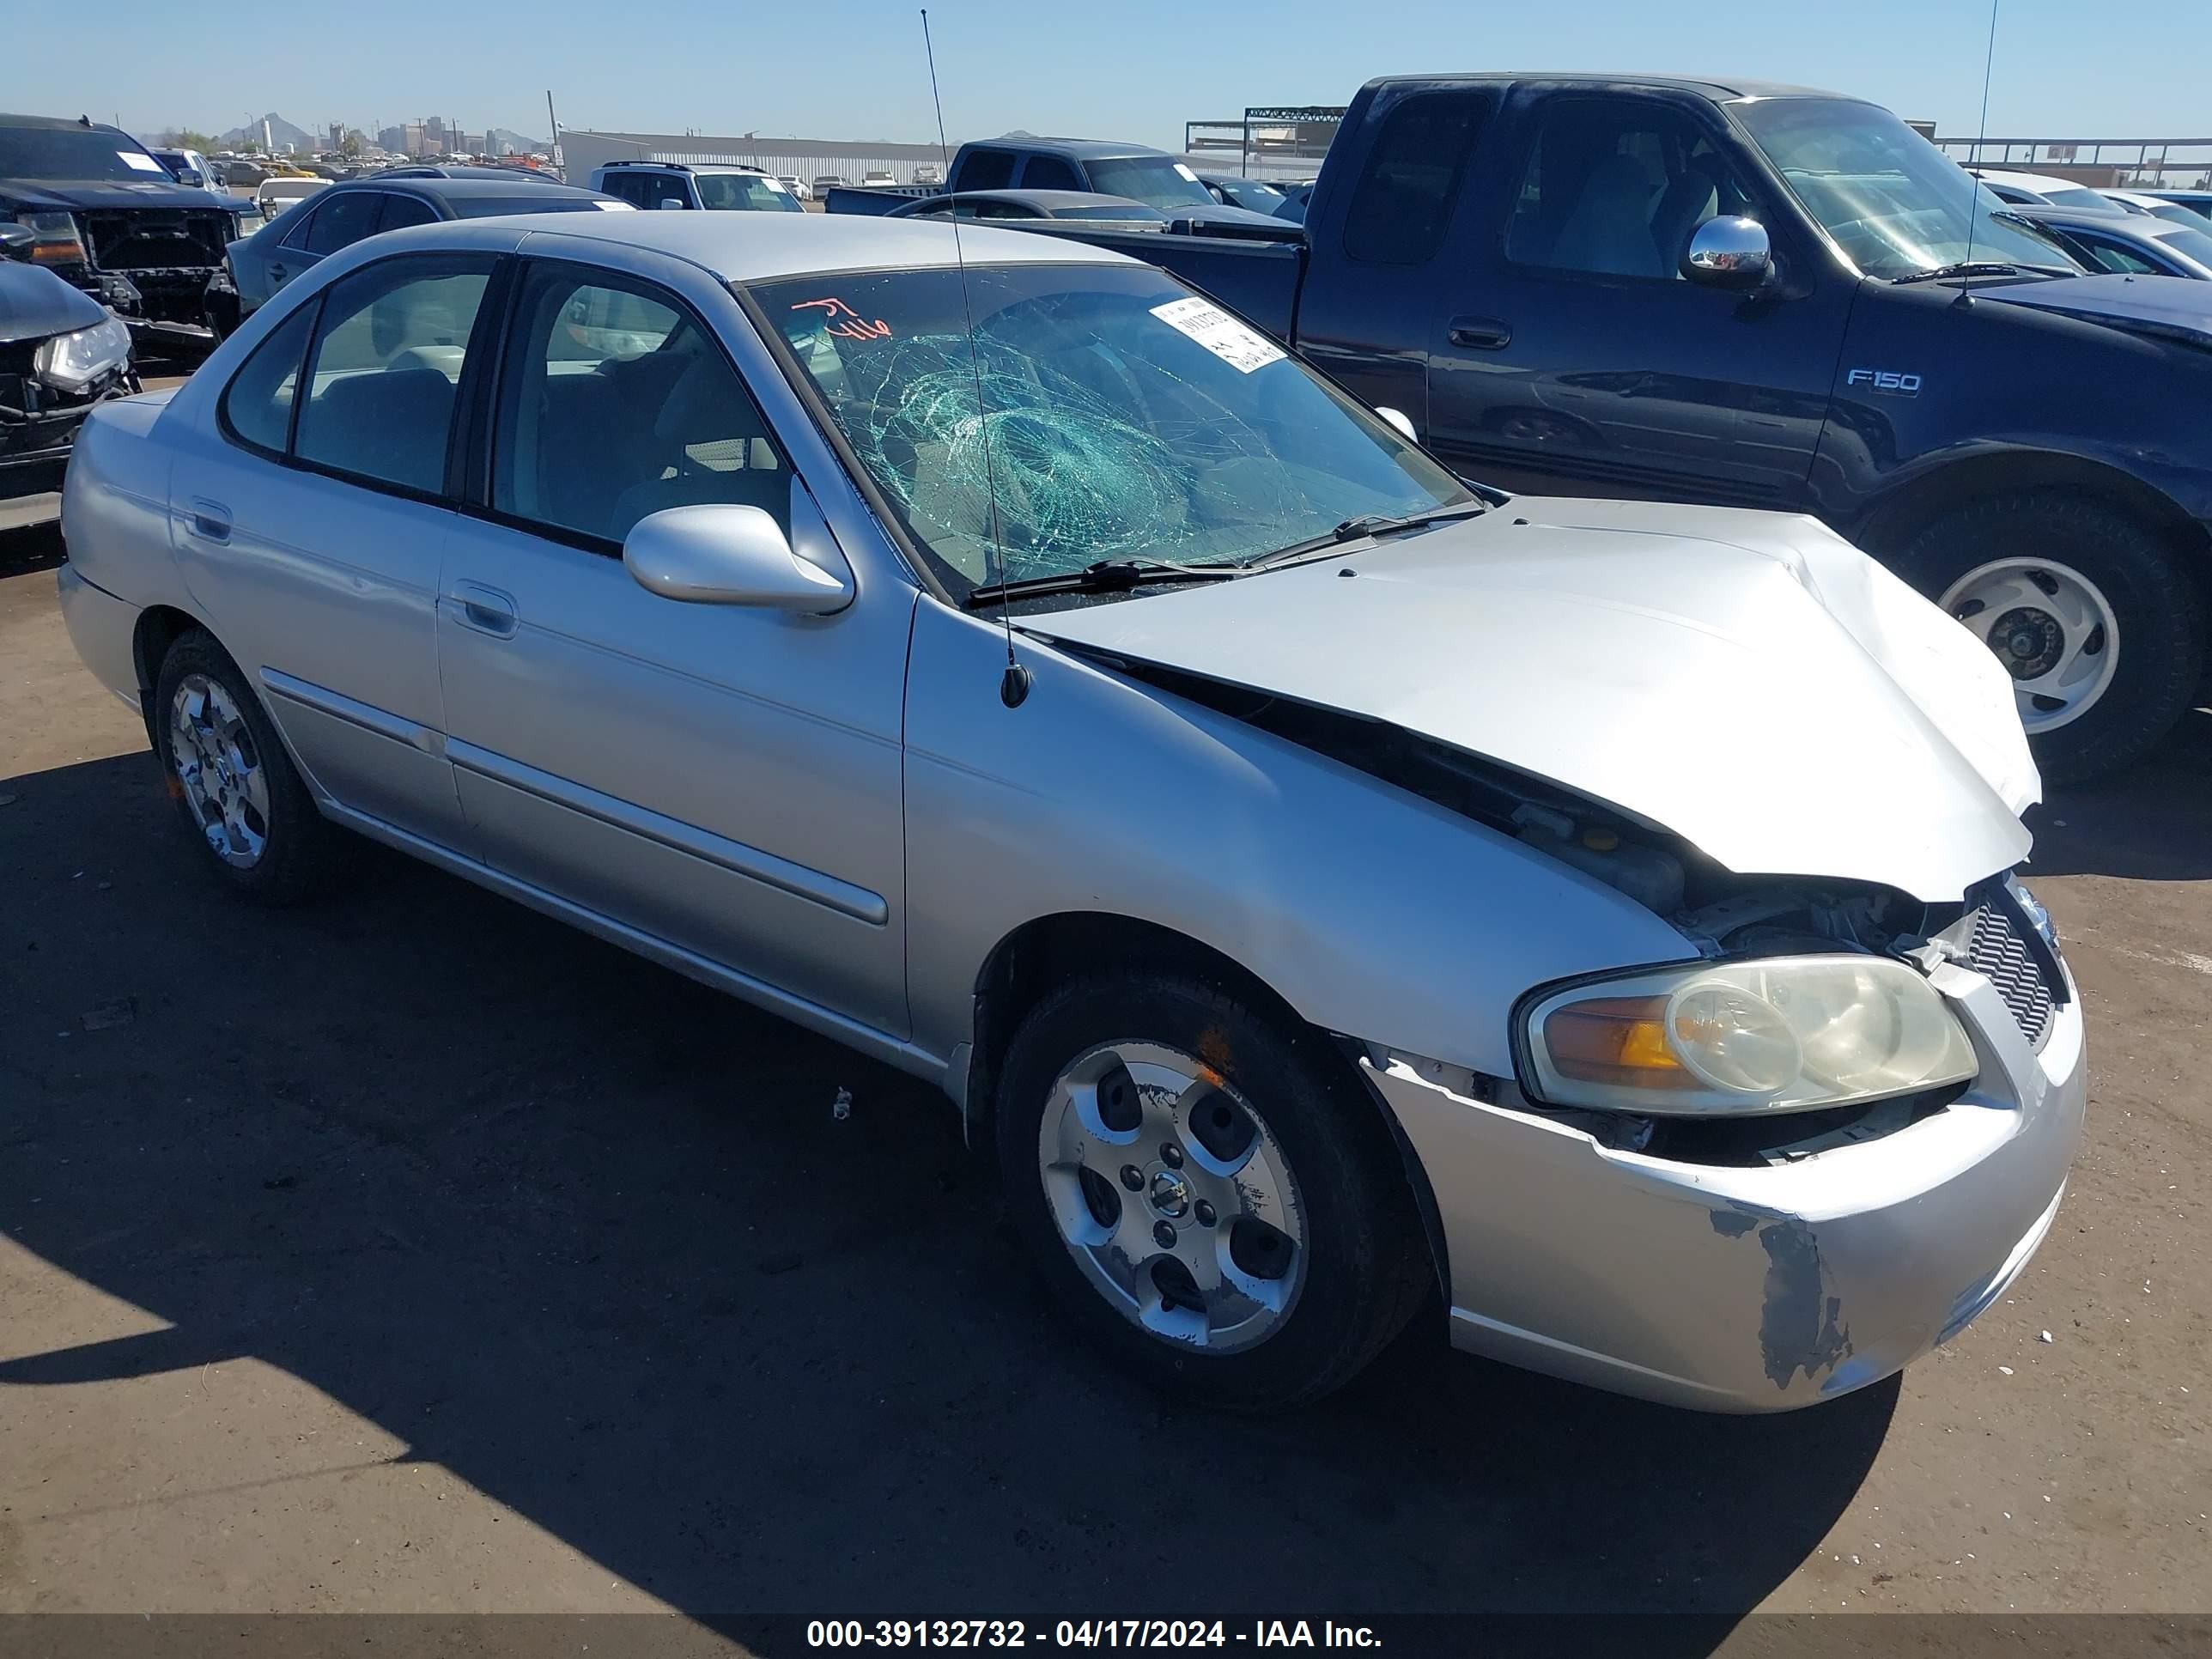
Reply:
x=719 y=554
x=1728 y=253
x=15 y=238
x=1396 y=421
x=669 y=202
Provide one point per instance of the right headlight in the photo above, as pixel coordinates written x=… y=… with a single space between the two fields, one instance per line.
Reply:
x=1781 y=1034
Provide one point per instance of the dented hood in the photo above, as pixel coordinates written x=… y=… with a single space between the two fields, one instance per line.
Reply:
x=1747 y=680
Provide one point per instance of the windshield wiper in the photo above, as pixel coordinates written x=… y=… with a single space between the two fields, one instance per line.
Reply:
x=1104 y=576
x=1371 y=524
x=1951 y=273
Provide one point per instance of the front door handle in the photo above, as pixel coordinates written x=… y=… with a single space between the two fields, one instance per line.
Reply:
x=278 y=275
x=1480 y=333
x=210 y=520
x=487 y=609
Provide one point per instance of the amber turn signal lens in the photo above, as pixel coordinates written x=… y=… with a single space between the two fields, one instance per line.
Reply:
x=1615 y=1040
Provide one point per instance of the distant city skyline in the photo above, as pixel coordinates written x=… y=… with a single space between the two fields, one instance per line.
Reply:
x=1135 y=69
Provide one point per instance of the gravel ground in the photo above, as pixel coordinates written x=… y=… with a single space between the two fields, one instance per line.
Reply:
x=412 y=1252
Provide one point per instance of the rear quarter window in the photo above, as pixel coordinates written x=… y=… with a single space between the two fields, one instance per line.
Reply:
x=1402 y=205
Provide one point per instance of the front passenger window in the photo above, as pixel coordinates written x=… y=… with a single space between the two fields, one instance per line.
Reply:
x=384 y=374
x=615 y=402
x=1615 y=187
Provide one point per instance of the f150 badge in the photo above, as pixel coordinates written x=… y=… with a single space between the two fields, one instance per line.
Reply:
x=1884 y=380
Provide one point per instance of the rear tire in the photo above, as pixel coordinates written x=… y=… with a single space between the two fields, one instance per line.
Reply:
x=254 y=825
x=1302 y=1263
x=2064 y=584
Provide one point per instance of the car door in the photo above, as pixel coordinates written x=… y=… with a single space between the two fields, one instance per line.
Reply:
x=311 y=528
x=1570 y=355
x=719 y=780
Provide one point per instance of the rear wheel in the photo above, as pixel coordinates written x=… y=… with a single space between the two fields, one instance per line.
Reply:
x=2087 y=608
x=244 y=806
x=1207 y=1189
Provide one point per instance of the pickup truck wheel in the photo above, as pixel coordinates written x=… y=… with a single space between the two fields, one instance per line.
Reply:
x=2086 y=607
x=1206 y=1190
x=256 y=827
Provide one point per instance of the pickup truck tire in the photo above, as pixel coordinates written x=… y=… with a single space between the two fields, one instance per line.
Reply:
x=1165 y=1144
x=2099 y=564
x=252 y=821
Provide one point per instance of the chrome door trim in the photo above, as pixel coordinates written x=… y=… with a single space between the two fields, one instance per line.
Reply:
x=735 y=856
x=907 y=1057
x=339 y=706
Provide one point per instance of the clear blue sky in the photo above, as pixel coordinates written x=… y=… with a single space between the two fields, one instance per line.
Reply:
x=1122 y=69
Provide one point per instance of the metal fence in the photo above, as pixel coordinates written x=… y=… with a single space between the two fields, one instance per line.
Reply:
x=1271 y=141
x=2172 y=163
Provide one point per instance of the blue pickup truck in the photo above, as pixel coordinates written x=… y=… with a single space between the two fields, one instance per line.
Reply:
x=1719 y=291
x=1101 y=167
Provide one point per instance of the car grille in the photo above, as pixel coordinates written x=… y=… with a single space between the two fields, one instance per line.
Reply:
x=1997 y=950
x=154 y=239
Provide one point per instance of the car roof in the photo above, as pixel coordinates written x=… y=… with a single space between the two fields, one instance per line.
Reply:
x=685 y=167
x=751 y=247
x=1714 y=86
x=56 y=122
x=2112 y=224
x=1042 y=199
x=2027 y=180
x=1083 y=150
x=458 y=189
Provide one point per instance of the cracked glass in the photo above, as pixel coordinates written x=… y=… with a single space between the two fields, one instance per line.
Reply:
x=1120 y=417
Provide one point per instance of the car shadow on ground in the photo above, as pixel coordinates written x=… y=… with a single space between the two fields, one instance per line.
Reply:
x=591 y=1236
x=2152 y=822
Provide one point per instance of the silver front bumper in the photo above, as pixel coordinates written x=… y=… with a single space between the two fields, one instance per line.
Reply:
x=1748 y=1289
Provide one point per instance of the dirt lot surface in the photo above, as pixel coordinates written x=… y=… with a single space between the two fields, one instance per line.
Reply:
x=412 y=1252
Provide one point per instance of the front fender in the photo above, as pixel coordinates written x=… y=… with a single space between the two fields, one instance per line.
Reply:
x=1370 y=911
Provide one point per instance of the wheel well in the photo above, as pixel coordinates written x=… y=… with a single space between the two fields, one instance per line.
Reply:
x=1899 y=515
x=1049 y=951
x=160 y=627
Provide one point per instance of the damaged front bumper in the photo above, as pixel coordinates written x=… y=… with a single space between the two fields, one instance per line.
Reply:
x=1747 y=1289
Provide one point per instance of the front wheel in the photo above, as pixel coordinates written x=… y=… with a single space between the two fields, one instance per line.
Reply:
x=2087 y=608
x=1207 y=1190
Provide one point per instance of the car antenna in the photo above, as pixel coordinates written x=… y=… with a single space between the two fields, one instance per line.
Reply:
x=1014 y=684
x=1974 y=198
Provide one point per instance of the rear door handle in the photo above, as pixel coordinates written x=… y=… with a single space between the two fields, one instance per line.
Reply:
x=1481 y=333
x=487 y=609
x=279 y=274
x=210 y=520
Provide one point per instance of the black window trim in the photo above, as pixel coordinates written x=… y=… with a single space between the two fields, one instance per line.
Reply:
x=292 y=460
x=1696 y=112
x=1492 y=108
x=472 y=473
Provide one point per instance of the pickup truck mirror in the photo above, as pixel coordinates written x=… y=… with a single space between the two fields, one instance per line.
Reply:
x=1396 y=421
x=1729 y=252
x=723 y=554
x=672 y=202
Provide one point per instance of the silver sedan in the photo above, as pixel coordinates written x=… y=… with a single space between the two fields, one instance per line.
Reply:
x=1331 y=890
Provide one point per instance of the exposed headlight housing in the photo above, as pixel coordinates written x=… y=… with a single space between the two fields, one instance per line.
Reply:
x=60 y=242
x=70 y=363
x=1778 y=1034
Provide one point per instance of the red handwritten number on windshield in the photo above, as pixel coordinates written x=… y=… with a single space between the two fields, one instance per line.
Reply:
x=844 y=322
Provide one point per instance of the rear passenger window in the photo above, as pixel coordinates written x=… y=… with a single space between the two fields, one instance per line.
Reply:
x=1049 y=172
x=384 y=374
x=987 y=169
x=615 y=402
x=1402 y=205
x=400 y=211
x=256 y=404
x=344 y=218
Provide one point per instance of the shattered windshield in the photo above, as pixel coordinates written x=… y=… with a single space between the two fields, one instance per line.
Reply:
x=1121 y=417
x=1893 y=202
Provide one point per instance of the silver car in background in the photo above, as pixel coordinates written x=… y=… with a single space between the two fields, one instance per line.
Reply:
x=1327 y=886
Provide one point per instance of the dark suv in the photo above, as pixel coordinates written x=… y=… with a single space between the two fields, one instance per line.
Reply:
x=108 y=218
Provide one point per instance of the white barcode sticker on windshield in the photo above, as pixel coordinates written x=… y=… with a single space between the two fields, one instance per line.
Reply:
x=1183 y=168
x=140 y=160
x=775 y=185
x=1241 y=348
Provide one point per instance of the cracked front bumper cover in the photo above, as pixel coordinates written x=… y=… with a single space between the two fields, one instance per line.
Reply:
x=1755 y=1289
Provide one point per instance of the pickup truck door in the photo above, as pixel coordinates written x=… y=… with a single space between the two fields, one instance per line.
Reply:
x=718 y=779
x=1570 y=357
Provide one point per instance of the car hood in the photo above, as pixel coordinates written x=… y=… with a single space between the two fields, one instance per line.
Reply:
x=32 y=196
x=1749 y=681
x=2145 y=305
x=36 y=305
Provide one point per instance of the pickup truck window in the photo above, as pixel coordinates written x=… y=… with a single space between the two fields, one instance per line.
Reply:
x=75 y=153
x=1615 y=187
x=1155 y=180
x=1121 y=417
x=1402 y=205
x=1050 y=173
x=986 y=169
x=1895 y=203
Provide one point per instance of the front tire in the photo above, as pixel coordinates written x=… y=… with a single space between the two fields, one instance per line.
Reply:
x=248 y=816
x=1207 y=1189
x=2086 y=607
